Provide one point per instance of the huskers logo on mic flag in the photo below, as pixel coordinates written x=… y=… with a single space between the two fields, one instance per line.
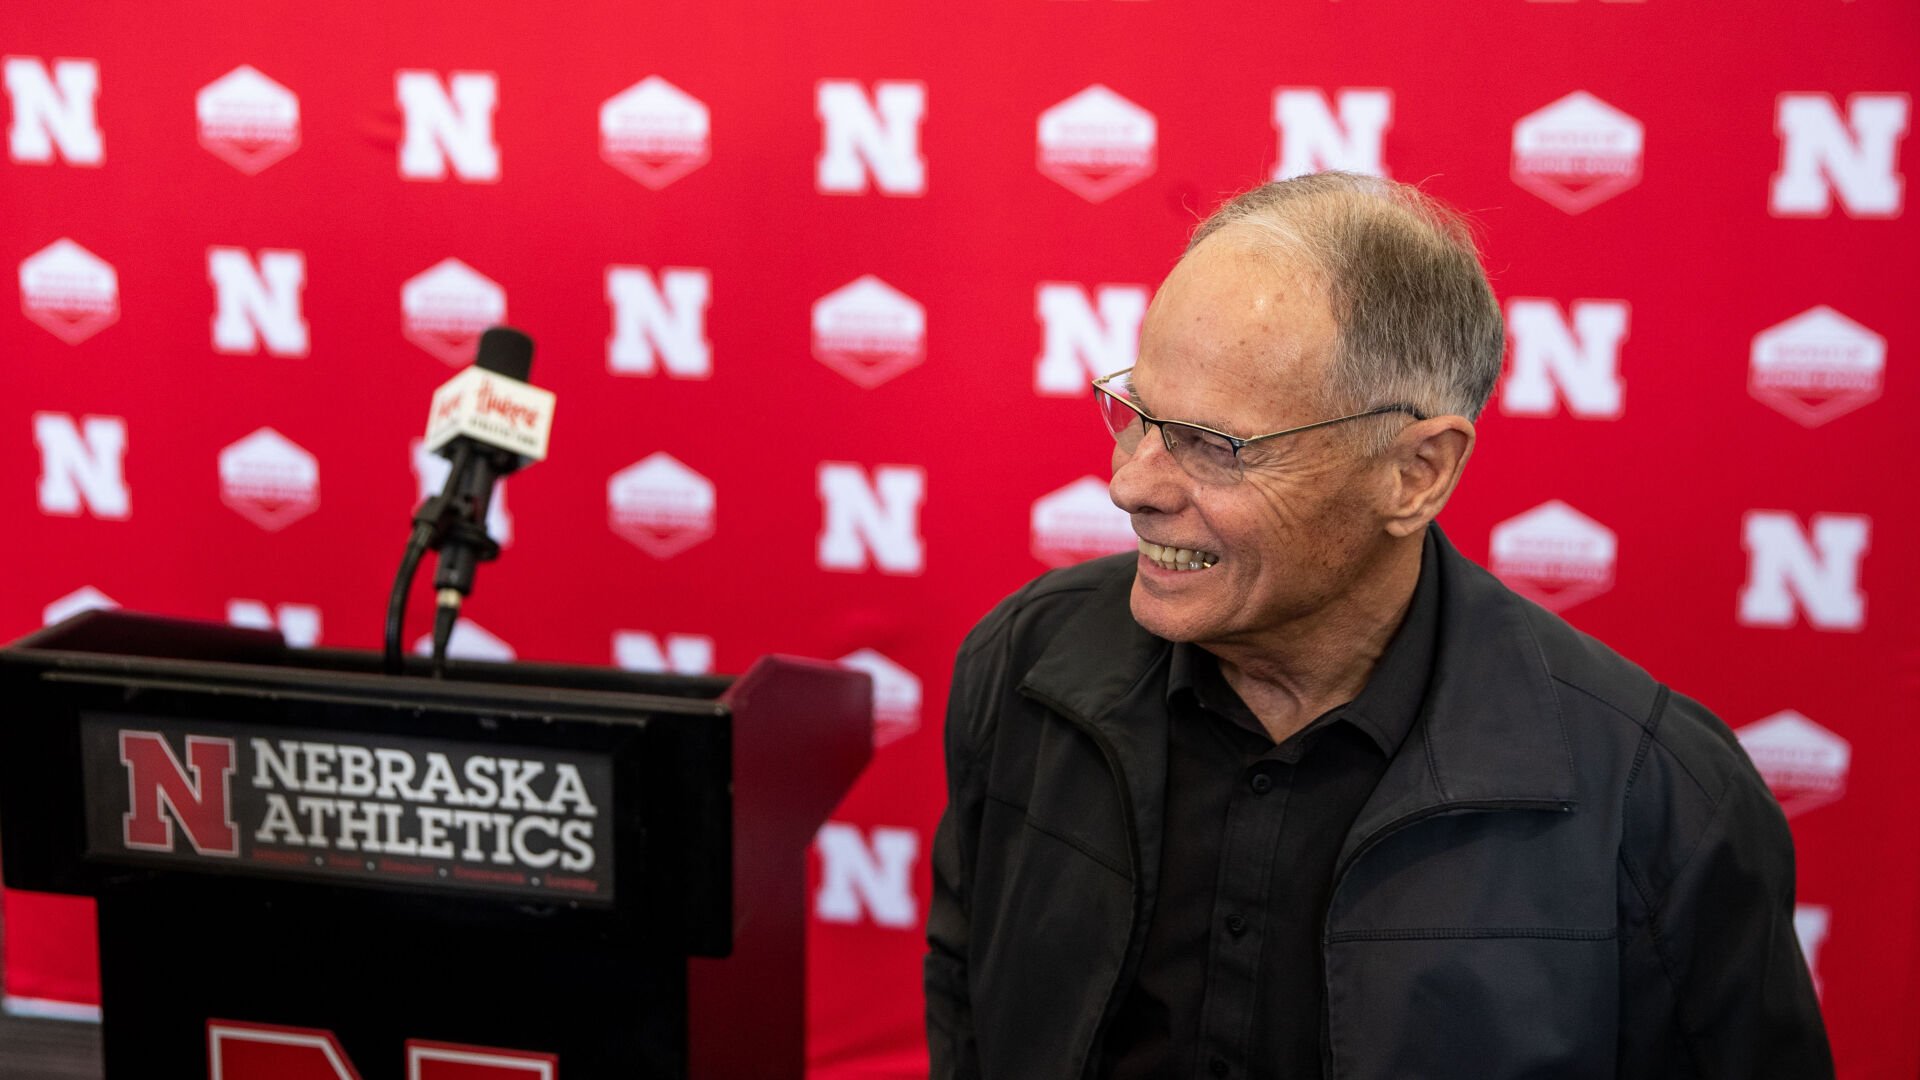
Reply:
x=282 y=802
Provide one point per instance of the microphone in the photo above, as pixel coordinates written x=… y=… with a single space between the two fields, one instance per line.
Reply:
x=489 y=423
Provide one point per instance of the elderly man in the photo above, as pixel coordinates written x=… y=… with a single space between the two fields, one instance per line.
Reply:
x=1297 y=790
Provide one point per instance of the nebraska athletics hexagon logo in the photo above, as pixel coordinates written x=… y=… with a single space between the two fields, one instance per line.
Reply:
x=269 y=479
x=247 y=120
x=469 y=641
x=1577 y=152
x=69 y=291
x=444 y=309
x=654 y=132
x=1803 y=763
x=869 y=331
x=84 y=598
x=1079 y=522
x=1554 y=555
x=1097 y=144
x=660 y=506
x=1817 y=366
x=896 y=696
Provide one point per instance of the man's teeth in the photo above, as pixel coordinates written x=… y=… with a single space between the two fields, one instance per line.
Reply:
x=1169 y=558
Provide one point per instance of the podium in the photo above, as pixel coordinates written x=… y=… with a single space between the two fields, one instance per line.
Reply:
x=307 y=868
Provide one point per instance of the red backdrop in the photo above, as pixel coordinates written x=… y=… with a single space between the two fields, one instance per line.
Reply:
x=820 y=287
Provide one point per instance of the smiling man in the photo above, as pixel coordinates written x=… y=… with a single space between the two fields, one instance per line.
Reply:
x=1297 y=790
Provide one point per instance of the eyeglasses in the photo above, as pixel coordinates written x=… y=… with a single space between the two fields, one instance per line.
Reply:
x=1208 y=455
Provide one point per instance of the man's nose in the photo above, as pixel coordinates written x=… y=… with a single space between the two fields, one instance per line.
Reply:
x=1149 y=479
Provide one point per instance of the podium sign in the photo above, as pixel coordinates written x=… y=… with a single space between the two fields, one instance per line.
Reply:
x=332 y=804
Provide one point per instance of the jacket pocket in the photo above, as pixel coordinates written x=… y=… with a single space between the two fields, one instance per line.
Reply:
x=1486 y=1004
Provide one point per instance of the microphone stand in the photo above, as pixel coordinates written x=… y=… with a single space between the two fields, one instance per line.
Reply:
x=453 y=524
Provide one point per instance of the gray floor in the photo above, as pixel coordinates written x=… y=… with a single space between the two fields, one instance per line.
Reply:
x=47 y=1049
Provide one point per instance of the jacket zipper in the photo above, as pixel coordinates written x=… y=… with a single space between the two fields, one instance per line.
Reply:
x=1366 y=845
x=1133 y=859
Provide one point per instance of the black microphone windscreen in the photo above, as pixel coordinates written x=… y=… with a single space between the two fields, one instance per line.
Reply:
x=505 y=351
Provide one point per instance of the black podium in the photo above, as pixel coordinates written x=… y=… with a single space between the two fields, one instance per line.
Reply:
x=307 y=868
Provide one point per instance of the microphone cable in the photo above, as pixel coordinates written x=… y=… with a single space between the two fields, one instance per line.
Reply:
x=417 y=545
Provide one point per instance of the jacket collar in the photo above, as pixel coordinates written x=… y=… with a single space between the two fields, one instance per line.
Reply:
x=1488 y=733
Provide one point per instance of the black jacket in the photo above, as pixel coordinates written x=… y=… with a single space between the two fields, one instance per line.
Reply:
x=1567 y=870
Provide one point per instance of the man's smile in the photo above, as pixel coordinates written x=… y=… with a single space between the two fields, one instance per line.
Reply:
x=1172 y=558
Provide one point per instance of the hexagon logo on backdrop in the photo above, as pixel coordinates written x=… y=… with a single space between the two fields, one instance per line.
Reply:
x=896 y=696
x=1577 y=152
x=869 y=331
x=84 y=598
x=247 y=120
x=1554 y=555
x=444 y=309
x=660 y=506
x=1079 y=522
x=69 y=291
x=1817 y=366
x=655 y=132
x=469 y=641
x=269 y=479
x=1805 y=764
x=1097 y=144
x=1811 y=923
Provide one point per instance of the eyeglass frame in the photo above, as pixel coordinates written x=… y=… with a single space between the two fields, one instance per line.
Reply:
x=1235 y=441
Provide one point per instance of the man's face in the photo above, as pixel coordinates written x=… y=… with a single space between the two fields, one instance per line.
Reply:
x=1236 y=341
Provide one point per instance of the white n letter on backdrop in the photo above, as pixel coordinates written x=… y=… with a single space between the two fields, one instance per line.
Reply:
x=448 y=125
x=670 y=320
x=1822 y=155
x=1313 y=139
x=1787 y=573
x=82 y=464
x=880 y=521
x=299 y=624
x=1553 y=361
x=684 y=654
x=1080 y=343
x=53 y=110
x=251 y=306
x=876 y=878
x=878 y=139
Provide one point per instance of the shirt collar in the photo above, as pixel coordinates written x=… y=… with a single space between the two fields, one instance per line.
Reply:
x=1387 y=706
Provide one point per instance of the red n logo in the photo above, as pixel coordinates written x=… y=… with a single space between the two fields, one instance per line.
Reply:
x=237 y=1050
x=156 y=778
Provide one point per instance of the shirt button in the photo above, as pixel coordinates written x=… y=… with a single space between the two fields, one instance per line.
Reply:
x=1217 y=1067
x=1236 y=925
x=1261 y=783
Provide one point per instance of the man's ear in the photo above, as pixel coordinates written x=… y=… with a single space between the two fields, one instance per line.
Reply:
x=1426 y=462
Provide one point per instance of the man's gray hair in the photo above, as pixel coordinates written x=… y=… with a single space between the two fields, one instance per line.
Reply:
x=1418 y=323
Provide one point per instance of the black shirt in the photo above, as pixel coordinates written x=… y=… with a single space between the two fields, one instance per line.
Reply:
x=1230 y=981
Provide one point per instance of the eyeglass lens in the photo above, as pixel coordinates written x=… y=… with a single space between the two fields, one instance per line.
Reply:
x=1206 y=456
